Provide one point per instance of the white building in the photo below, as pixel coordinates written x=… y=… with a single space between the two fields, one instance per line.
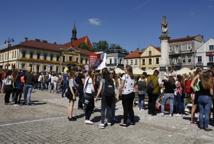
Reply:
x=205 y=54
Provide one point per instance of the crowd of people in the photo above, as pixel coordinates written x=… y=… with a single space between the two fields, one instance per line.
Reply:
x=168 y=95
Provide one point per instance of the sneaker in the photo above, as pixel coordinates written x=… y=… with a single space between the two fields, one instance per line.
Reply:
x=123 y=125
x=89 y=122
x=109 y=124
x=101 y=126
x=162 y=114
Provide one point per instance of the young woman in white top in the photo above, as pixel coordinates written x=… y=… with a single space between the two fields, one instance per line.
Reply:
x=71 y=96
x=88 y=97
x=127 y=88
x=8 y=86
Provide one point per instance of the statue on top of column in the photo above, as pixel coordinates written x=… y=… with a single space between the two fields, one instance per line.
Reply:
x=164 y=26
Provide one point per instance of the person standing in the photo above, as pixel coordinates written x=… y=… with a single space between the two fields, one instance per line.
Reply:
x=205 y=95
x=141 y=90
x=107 y=88
x=127 y=89
x=28 y=87
x=19 y=84
x=169 y=89
x=88 y=97
x=70 y=94
x=153 y=91
x=79 y=86
x=195 y=88
x=8 y=86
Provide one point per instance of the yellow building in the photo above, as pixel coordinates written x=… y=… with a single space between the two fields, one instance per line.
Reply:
x=133 y=58
x=150 y=58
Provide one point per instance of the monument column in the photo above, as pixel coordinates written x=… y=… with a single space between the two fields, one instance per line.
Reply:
x=164 y=38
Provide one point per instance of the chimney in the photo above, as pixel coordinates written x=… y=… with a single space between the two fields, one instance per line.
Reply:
x=38 y=40
x=26 y=38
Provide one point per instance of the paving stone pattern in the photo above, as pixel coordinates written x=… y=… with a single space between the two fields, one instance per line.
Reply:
x=46 y=123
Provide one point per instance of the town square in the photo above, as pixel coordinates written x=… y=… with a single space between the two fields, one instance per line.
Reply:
x=138 y=71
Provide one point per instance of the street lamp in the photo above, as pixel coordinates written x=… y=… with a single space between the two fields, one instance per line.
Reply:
x=8 y=43
x=61 y=59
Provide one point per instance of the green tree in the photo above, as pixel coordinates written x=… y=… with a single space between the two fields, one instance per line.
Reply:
x=101 y=46
x=84 y=46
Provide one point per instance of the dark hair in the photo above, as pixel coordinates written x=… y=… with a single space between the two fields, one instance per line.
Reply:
x=106 y=75
x=130 y=72
x=9 y=72
x=206 y=80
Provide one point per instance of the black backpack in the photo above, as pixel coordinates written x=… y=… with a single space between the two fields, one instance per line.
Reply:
x=108 y=92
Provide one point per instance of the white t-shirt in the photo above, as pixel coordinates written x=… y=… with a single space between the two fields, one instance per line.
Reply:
x=71 y=83
x=90 y=87
x=128 y=84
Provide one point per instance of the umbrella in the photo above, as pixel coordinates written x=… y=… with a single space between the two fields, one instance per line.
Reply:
x=149 y=71
x=184 y=71
x=137 y=71
x=118 y=70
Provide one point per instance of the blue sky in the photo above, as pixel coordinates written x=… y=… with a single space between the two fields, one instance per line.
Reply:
x=129 y=23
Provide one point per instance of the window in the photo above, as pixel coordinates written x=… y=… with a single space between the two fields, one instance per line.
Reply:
x=57 y=58
x=70 y=58
x=37 y=68
x=38 y=56
x=143 y=61
x=135 y=61
x=45 y=56
x=63 y=59
x=44 y=68
x=150 y=53
x=51 y=68
x=31 y=55
x=157 y=60
x=210 y=58
x=57 y=69
x=115 y=61
x=23 y=66
x=127 y=62
x=51 y=57
x=199 y=59
x=110 y=60
x=150 y=61
x=23 y=54
x=77 y=60
x=81 y=60
x=189 y=59
x=211 y=47
x=120 y=61
x=184 y=61
x=131 y=62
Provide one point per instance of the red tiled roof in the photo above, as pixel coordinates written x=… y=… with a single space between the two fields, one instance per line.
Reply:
x=43 y=45
x=76 y=43
x=157 y=48
x=182 y=39
x=134 y=54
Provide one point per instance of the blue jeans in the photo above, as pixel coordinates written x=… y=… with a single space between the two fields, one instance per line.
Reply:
x=106 y=112
x=167 y=96
x=27 y=93
x=141 y=98
x=204 y=103
x=179 y=103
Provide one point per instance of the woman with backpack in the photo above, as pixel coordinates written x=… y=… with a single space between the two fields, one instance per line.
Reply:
x=128 y=95
x=107 y=91
x=70 y=94
x=19 y=84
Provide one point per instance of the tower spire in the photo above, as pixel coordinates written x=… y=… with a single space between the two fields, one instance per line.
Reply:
x=74 y=33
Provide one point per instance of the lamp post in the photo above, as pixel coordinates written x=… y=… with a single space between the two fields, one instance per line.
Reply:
x=61 y=59
x=8 y=43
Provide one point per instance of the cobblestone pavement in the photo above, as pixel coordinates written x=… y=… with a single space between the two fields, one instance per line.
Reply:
x=46 y=122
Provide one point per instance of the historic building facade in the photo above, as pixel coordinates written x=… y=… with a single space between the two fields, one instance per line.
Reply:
x=41 y=55
x=150 y=58
x=205 y=54
x=133 y=58
x=115 y=57
x=183 y=51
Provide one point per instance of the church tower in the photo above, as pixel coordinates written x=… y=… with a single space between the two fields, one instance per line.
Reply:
x=74 y=33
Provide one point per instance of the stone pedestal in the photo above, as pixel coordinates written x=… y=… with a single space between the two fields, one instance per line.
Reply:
x=164 y=60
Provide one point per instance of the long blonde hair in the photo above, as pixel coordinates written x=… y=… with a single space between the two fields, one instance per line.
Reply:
x=206 y=80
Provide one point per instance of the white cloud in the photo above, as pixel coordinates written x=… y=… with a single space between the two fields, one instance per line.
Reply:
x=94 y=21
